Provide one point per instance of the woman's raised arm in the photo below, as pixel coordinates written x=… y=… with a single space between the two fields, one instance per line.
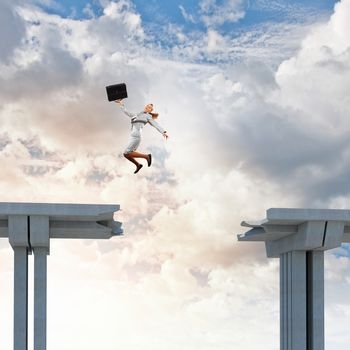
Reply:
x=122 y=107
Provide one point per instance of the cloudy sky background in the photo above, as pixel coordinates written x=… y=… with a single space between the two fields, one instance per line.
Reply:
x=255 y=97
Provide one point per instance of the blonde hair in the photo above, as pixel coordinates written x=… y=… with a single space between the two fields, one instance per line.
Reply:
x=154 y=115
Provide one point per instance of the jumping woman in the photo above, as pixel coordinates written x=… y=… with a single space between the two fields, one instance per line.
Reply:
x=138 y=121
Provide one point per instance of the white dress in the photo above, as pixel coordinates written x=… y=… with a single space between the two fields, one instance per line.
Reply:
x=138 y=121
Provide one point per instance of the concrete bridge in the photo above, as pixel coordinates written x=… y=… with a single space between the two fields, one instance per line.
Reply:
x=299 y=237
x=29 y=228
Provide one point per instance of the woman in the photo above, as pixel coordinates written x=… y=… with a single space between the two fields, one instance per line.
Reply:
x=138 y=121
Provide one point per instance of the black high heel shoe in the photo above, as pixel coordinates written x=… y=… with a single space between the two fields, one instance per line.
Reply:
x=138 y=167
x=149 y=160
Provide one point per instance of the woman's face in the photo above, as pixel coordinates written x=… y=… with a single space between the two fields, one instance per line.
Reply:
x=149 y=108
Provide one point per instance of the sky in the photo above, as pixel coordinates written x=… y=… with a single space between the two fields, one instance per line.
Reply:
x=255 y=98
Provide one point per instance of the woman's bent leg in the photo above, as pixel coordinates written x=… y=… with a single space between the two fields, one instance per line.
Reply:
x=138 y=165
x=129 y=157
x=135 y=154
x=148 y=157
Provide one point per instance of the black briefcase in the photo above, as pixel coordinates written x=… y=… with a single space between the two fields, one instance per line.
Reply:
x=116 y=92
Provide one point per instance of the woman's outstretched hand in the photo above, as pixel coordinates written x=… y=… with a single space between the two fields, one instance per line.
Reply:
x=119 y=102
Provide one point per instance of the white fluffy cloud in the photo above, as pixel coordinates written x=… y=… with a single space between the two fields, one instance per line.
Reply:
x=12 y=28
x=216 y=13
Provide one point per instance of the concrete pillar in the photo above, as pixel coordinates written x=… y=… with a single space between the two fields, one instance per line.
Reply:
x=302 y=300
x=29 y=227
x=293 y=301
x=40 y=242
x=18 y=237
x=20 y=340
x=40 y=298
x=315 y=300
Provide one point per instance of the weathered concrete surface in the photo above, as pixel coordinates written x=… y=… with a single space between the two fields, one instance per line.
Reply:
x=299 y=238
x=29 y=228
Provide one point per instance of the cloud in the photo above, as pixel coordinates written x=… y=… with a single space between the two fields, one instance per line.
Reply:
x=314 y=84
x=214 y=13
x=47 y=77
x=188 y=17
x=293 y=11
x=269 y=43
x=250 y=102
x=11 y=27
x=215 y=41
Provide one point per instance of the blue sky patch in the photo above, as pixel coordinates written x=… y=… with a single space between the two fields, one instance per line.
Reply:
x=160 y=12
x=163 y=20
